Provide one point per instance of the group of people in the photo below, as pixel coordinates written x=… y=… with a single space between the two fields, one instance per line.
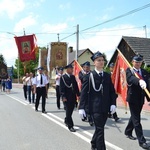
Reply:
x=97 y=98
x=6 y=85
x=35 y=87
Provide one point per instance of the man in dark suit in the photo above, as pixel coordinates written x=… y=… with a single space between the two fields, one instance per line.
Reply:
x=98 y=90
x=114 y=116
x=135 y=98
x=86 y=70
x=69 y=92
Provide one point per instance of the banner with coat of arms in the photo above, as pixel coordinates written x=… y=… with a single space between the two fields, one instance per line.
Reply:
x=119 y=77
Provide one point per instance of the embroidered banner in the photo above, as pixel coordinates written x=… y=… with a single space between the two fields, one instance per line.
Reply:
x=26 y=47
x=119 y=78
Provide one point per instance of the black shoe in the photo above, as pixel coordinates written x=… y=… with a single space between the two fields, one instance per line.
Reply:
x=36 y=109
x=91 y=123
x=145 y=146
x=72 y=129
x=117 y=119
x=93 y=148
x=131 y=137
x=44 y=112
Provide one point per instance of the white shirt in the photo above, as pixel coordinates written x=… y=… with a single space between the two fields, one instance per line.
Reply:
x=28 y=81
x=99 y=72
x=37 y=80
x=57 y=78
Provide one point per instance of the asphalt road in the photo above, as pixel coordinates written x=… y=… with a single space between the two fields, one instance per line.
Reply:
x=22 y=128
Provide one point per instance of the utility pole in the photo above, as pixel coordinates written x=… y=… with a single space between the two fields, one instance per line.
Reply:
x=58 y=37
x=145 y=31
x=77 y=46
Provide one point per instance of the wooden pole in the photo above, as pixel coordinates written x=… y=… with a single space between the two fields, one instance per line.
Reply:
x=146 y=91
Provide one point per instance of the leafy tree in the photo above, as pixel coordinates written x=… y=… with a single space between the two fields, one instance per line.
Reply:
x=28 y=66
x=2 y=59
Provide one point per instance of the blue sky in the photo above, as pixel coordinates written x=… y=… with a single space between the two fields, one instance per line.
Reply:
x=46 y=18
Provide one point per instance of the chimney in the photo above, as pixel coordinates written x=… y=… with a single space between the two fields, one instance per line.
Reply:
x=70 y=49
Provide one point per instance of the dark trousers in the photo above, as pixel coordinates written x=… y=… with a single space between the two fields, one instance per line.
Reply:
x=98 y=140
x=58 y=96
x=69 y=110
x=41 y=92
x=29 y=93
x=25 y=91
x=135 y=122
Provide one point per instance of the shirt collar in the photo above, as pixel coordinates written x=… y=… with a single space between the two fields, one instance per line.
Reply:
x=99 y=72
x=67 y=74
x=137 y=69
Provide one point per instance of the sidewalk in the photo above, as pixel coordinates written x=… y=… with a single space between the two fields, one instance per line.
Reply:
x=52 y=91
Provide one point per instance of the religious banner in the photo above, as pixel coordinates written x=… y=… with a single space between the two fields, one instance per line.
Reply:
x=119 y=77
x=58 y=55
x=26 y=47
x=76 y=69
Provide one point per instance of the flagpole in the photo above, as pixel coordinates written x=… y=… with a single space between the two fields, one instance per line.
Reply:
x=147 y=92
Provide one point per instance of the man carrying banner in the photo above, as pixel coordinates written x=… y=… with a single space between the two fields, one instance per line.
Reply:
x=69 y=91
x=86 y=70
x=98 y=90
x=137 y=80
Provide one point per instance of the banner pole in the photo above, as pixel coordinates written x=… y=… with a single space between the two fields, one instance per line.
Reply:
x=146 y=91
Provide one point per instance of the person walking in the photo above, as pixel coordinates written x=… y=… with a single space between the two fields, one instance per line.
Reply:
x=25 y=85
x=86 y=70
x=69 y=91
x=57 y=79
x=40 y=87
x=98 y=90
x=29 y=84
x=8 y=85
x=135 y=99
x=114 y=116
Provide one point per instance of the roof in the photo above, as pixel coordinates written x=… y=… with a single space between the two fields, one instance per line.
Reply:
x=80 y=52
x=139 y=46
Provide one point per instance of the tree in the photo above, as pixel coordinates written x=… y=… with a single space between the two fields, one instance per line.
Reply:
x=2 y=59
x=28 y=66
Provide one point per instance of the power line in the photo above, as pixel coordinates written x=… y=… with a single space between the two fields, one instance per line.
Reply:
x=68 y=36
x=123 y=15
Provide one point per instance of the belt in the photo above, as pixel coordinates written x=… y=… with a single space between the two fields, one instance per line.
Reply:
x=40 y=87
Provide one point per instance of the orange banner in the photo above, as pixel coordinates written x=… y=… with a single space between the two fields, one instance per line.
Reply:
x=119 y=77
x=76 y=69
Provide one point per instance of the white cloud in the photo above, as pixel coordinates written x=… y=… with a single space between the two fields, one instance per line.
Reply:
x=107 y=39
x=64 y=6
x=58 y=28
x=24 y=23
x=8 y=49
x=11 y=7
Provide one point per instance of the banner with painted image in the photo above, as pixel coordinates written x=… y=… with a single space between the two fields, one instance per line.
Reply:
x=26 y=47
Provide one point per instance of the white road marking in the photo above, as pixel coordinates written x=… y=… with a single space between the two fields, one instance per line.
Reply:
x=16 y=99
x=62 y=125
x=85 y=132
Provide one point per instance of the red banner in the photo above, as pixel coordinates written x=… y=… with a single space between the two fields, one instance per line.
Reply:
x=119 y=77
x=26 y=47
x=77 y=68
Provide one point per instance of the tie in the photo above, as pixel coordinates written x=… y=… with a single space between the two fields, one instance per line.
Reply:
x=41 y=81
x=101 y=75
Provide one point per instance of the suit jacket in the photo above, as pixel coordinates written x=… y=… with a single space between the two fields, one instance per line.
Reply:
x=82 y=75
x=135 y=94
x=66 y=92
x=98 y=101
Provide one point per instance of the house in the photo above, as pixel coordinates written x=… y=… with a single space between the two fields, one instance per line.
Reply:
x=83 y=56
x=130 y=46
